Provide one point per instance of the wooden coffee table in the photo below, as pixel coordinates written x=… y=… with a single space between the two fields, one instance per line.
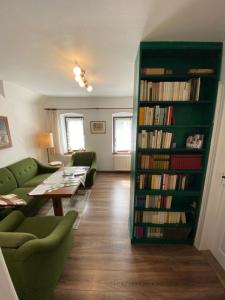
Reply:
x=61 y=185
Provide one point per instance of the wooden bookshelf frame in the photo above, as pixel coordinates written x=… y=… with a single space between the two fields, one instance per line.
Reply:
x=176 y=55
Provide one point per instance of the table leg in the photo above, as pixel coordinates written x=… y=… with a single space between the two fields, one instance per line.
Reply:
x=57 y=206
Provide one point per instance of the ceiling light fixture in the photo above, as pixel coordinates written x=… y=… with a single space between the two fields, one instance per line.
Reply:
x=81 y=79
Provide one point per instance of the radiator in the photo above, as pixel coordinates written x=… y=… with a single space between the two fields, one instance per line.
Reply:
x=121 y=162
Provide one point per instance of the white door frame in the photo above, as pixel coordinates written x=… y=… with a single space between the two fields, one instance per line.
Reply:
x=219 y=112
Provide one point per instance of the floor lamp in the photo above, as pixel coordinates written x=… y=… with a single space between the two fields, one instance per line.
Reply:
x=45 y=141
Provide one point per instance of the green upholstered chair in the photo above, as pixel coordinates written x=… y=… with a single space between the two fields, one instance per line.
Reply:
x=35 y=250
x=87 y=159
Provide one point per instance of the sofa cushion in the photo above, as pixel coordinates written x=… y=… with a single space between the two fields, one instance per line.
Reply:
x=24 y=170
x=39 y=226
x=7 y=181
x=36 y=180
x=83 y=158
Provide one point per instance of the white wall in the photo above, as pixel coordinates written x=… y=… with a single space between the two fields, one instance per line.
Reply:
x=94 y=109
x=211 y=206
x=22 y=107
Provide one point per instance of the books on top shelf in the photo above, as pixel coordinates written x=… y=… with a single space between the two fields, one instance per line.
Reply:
x=163 y=71
x=156 y=139
x=156 y=115
x=162 y=181
x=154 y=161
x=153 y=201
x=156 y=217
x=170 y=90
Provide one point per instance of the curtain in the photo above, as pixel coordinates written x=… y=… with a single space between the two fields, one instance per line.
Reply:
x=53 y=126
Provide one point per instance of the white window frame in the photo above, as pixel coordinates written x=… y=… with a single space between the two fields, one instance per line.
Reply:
x=63 y=129
x=114 y=117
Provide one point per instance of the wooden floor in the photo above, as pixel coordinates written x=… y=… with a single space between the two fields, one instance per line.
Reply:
x=104 y=265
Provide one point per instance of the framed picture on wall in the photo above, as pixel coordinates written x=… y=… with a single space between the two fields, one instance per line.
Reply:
x=98 y=126
x=5 y=138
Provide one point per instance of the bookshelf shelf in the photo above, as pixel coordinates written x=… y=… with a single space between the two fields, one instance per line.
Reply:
x=171 y=150
x=186 y=209
x=162 y=241
x=169 y=127
x=185 y=103
x=176 y=225
x=168 y=192
x=169 y=171
x=176 y=76
x=174 y=102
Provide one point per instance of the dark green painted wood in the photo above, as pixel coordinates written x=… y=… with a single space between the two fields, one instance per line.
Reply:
x=190 y=117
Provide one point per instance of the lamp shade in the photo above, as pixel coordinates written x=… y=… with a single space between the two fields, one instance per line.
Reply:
x=45 y=140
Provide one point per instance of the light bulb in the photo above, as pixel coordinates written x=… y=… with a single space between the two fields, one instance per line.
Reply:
x=89 y=88
x=77 y=70
x=77 y=78
x=81 y=83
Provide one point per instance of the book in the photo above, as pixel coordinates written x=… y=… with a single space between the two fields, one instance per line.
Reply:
x=11 y=200
x=200 y=71
x=153 y=71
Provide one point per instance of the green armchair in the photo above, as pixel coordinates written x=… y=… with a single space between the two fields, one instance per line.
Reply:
x=87 y=159
x=35 y=250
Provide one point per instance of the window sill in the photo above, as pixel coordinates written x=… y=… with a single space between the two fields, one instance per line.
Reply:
x=121 y=153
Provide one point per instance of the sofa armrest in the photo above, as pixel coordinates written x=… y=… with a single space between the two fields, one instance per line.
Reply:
x=14 y=239
x=12 y=221
x=93 y=165
x=50 y=242
x=44 y=168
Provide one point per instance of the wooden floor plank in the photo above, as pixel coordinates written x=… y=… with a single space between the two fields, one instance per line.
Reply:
x=103 y=265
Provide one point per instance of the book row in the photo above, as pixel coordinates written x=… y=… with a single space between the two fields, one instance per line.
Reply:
x=150 y=201
x=161 y=232
x=164 y=71
x=154 y=161
x=160 y=217
x=156 y=139
x=156 y=115
x=170 y=90
x=174 y=161
x=164 y=182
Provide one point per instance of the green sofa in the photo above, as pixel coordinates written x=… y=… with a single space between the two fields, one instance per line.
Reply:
x=35 y=250
x=87 y=159
x=20 y=178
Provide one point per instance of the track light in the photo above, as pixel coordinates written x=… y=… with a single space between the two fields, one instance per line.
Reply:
x=81 y=78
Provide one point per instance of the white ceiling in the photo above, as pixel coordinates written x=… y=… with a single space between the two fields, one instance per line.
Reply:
x=41 y=39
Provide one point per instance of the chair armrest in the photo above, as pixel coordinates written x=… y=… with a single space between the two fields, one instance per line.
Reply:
x=50 y=242
x=14 y=239
x=44 y=168
x=11 y=222
x=93 y=165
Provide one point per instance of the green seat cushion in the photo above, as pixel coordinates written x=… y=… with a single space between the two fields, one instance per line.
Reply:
x=24 y=170
x=36 y=180
x=7 y=181
x=39 y=226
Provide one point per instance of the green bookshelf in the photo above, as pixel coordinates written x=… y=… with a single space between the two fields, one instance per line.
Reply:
x=168 y=108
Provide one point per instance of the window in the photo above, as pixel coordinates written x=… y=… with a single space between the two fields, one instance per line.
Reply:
x=122 y=134
x=74 y=133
